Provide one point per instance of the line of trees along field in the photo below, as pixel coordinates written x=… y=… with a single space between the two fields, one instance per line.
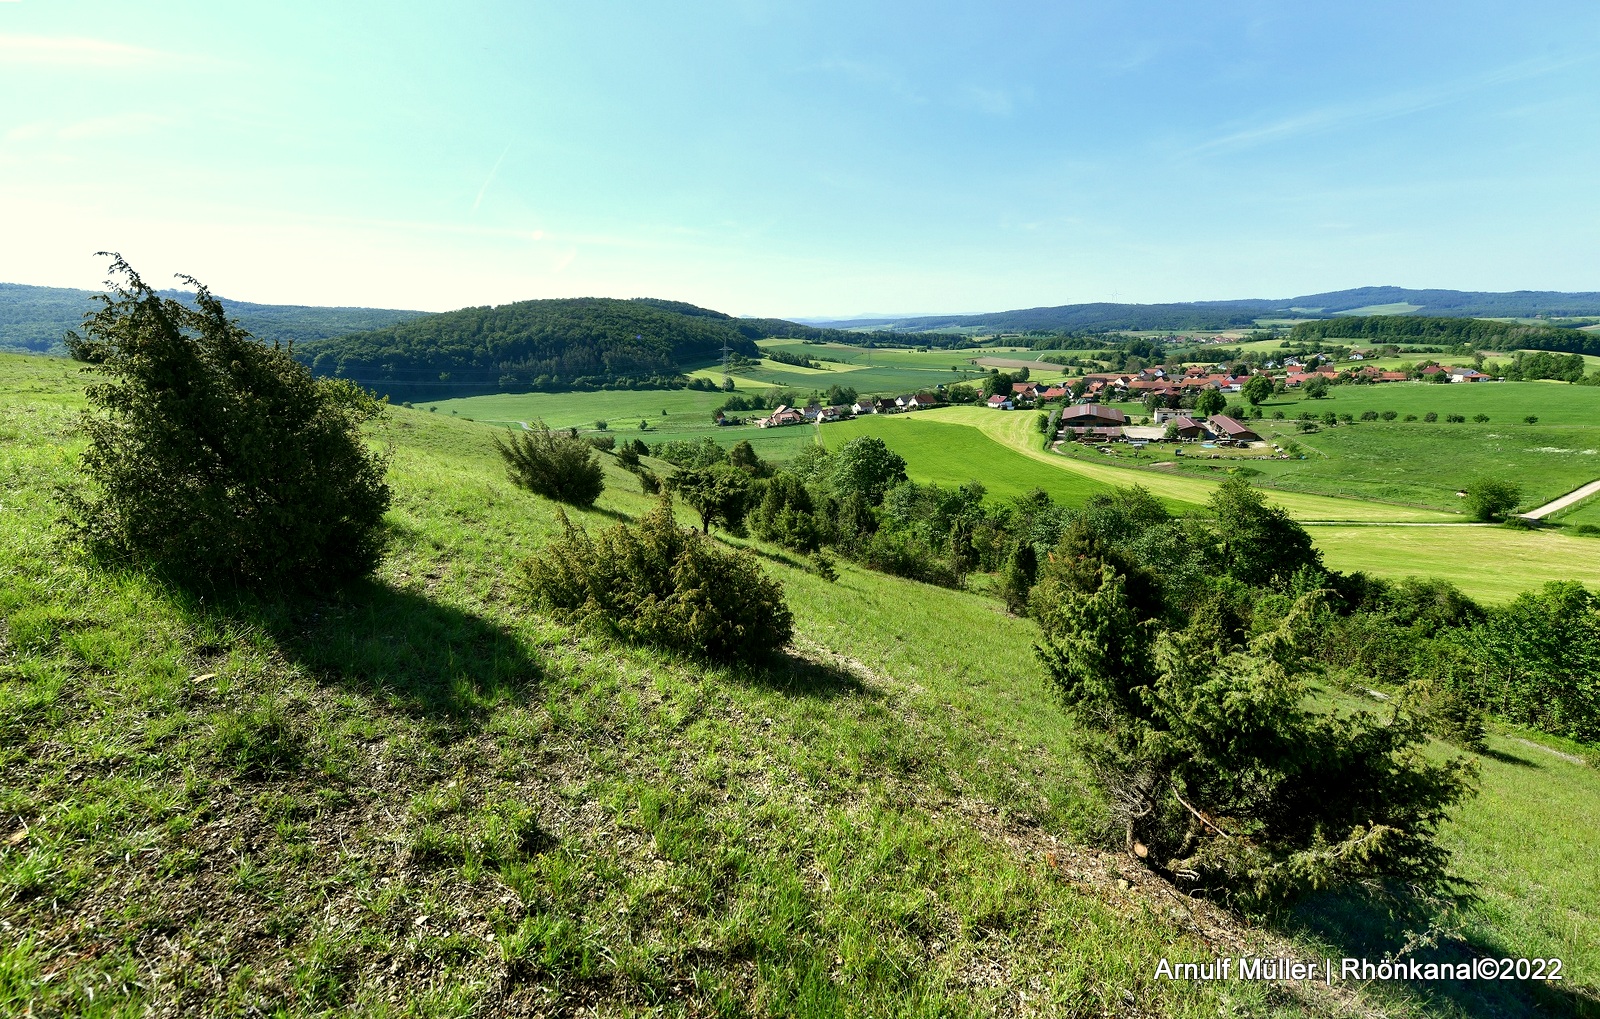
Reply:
x=1484 y=333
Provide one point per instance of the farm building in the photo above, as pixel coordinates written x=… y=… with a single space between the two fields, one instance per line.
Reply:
x=781 y=417
x=999 y=402
x=1089 y=414
x=1185 y=427
x=1231 y=428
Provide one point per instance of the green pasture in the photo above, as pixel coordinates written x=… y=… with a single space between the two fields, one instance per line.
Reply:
x=1586 y=512
x=1396 y=308
x=1506 y=403
x=1017 y=431
x=1418 y=463
x=953 y=454
x=874 y=381
x=622 y=410
x=775 y=444
x=1489 y=562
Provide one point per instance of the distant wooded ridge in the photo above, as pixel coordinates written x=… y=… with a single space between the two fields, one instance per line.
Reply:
x=1485 y=333
x=587 y=343
x=562 y=343
x=34 y=319
x=1177 y=317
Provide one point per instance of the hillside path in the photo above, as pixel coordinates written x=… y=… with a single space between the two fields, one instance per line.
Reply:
x=1577 y=495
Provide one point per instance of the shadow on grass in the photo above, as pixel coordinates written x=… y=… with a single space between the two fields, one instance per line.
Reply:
x=805 y=677
x=1363 y=926
x=418 y=655
x=1505 y=758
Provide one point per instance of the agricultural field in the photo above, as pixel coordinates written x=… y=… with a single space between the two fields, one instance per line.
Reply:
x=622 y=410
x=953 y=454
x=421 y=796
x=1585 y=513
x=1506 y=403
x=1492 y=564
x=1415 y=463
x=1017 y=430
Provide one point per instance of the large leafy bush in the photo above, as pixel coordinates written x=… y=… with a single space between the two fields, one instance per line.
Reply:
x=659 y=584
x=214 y=458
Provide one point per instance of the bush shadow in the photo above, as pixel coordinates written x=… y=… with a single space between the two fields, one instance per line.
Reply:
x=794 y=674
x=399 y=646
x=1363 y=925
x=1504 y=758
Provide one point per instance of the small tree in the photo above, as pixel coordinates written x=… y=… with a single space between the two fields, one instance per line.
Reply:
x=1257 y=390
x=215 y=458
x=659 y=584
x=553 y=464
x=720 y=493
x=1491 y=499
x=1220 y=776
x=1316 y=387
x=867 y=465
x=1532 y=419
x=1209 y=402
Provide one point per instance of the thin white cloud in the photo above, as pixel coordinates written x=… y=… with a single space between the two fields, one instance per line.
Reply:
x=490 y=179
x=1401 y=104
x=80 y=51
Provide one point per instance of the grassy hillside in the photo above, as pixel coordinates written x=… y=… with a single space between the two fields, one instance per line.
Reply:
x=418 y=798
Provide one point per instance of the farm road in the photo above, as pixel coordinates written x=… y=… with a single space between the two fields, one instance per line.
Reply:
x=1577 y=495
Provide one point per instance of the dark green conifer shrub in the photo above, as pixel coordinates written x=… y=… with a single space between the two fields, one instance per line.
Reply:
x=659 y=584
x=556 y=465
x=1220 y=776
x=214 y=458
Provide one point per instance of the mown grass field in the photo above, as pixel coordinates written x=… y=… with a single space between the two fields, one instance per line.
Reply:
x=1491 y=563
x=418 y=797
x=1417 y=462
x=622 y=410
x=1017 y=430
x=1506 y=403
x=952 y=454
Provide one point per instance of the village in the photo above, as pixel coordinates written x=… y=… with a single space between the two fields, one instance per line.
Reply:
x=1177 y=411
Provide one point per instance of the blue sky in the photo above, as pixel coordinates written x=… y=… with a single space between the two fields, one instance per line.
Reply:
x=801 y=158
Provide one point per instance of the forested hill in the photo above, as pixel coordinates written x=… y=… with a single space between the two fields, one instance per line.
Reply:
x=547 y=344
x=34 y=319
x=1244 y=313
x=1484 y=333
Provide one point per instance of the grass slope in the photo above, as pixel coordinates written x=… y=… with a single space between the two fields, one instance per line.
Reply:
x=415 y=798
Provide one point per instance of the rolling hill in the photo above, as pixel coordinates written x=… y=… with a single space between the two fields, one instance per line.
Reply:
x=33 y=319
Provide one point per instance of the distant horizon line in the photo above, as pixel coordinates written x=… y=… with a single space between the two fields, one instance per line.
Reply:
x=816 y=320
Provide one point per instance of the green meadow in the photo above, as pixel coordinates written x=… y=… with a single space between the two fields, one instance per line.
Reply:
x=622 y=410
x=1491 y=563
x=1415 y=463
x=947 y=453
x=419 y=797
x=1506 y=403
